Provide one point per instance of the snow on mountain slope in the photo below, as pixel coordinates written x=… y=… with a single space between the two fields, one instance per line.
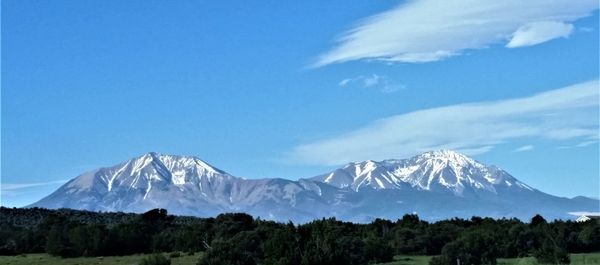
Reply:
x=442 y=170
x=184 y=185
x=152 y=171
x=436 y=185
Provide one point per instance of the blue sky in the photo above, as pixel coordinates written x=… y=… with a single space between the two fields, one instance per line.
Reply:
x=274 y=89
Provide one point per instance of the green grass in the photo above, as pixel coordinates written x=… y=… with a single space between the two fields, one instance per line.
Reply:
x=45 y=259
x=590 y=258
x=576 y=259
x=409 y=260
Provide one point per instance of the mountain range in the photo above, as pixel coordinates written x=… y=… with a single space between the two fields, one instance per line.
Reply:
x=435 y=185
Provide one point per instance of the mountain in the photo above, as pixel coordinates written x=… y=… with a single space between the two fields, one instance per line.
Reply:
x=435 y=185
x=442 y=171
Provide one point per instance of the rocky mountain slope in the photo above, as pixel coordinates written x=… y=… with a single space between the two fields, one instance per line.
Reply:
x=435 y=185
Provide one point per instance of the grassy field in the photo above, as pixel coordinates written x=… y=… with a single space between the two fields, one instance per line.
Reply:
x=409 y=260
x=44 y=259
x=576 y=259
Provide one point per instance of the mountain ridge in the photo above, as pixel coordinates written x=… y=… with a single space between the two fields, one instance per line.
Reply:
x=437 y=184
x=391 y=173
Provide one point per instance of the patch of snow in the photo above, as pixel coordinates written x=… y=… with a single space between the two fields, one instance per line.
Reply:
x=523 y=185
x=178 y=177
x=380 y=183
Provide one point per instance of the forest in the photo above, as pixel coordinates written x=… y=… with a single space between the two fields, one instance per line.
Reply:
x=240 y=239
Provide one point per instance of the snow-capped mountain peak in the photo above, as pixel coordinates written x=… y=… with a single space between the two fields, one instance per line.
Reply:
x=143 y=174
x=450 y=157
x=179 y=166
x=437 y=184
x=436 y=170
x=175 y=161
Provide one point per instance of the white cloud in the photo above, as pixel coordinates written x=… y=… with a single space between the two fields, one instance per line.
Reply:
x=19 y=186
x=585 y=213
x=581 y=144
x=373 y=80
x=380 y=82
x=586 y=143
x=524 y=148
x=431 y=30
x=539 y=32
x=346 y=81
x=568 y=113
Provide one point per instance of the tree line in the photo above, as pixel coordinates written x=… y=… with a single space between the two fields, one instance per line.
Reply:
x=238 y=238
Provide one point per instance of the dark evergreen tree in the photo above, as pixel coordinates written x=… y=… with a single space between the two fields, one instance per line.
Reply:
x=238 y=238
x=378 y=250
x=474 y=248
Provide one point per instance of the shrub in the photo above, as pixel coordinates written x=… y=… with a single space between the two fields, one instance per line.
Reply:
x=8 y=249
x=552 y=253
x=378 y=251
x=155 y=259
x=475 y=247
x=439 y=260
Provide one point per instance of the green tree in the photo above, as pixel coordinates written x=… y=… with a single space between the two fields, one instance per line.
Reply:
x=474 y=248
x=281 y=247
x=243 y=249
x=57 y=243
x=377 y=250
x=552 y=252
x=407 y=241
x=589 y=237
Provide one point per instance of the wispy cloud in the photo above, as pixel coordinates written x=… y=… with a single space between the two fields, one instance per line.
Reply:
x=585 y=213
x=431 y=30
x=581 y=144
x=539 y=32
x=19 y=186
x=568 y=113
x=379 y=82
x=524 y=148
